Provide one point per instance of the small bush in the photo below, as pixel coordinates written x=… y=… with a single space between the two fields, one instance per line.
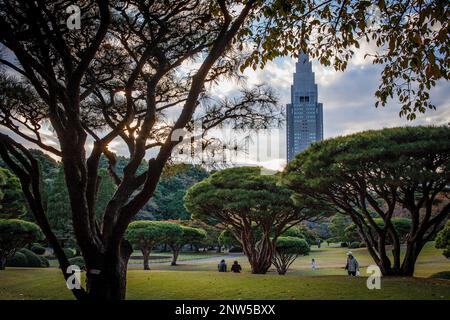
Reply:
x=18 y=260
x=44 y=262
x=33 y=260
x=235 y=249
x=69 y=253
x=38 y=248
x=362 y=244
x=27 y=259
x=354 y=245
x=78 y=261
x=441 y=275
x=344 y=244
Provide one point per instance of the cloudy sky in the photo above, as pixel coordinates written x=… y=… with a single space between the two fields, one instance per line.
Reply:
x=348 y=99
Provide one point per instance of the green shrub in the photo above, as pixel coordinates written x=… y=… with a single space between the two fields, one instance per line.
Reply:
x=292 y=245
x=441 y=275
x=33 y=260
x=38 y=248
x=354 y=245
x=70 y=253
x=235 y=249
x=443 y=240
x=286 y=251
x=17 y=260
x=44 y=262
x=78 y=261
x=344 y=244
x=362 y=244
x=301 y=232
x=27 y=259
x=16 y=234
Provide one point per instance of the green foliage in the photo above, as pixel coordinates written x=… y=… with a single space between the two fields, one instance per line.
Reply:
x=413 y=51
x=227 y=239
x=240 y=192
x=147 y=234
x=387 y=168
x=292 y=245
x=235 y=195
x=441 y=275
x=15 y=234
x=44 y=262
x=354 y=245
x=337 y=226
x=78 y=261
x=105 y=192
x=38 y=248
x=167 y=201
x=401 y=225
x=32 y=258
x=192 y=235
x=443 y=240
x=212 y=232
x=351 y=234
x=70 y=253
x=12 y=202
x=17 y=260
x=186 y=235
x=59 y=211
x=303 y=232
x=27 y=259
x=287 y=249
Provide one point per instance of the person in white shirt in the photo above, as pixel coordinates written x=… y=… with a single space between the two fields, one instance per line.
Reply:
x=313 y=264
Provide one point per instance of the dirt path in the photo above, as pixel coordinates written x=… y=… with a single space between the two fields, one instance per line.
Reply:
x=196 y=261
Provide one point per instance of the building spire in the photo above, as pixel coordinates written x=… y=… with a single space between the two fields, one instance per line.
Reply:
x=304 y=113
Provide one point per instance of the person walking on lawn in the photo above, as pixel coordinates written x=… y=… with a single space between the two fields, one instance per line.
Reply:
x=352 y=266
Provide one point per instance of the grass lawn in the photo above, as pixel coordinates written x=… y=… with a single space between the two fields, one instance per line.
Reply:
x=202 y=281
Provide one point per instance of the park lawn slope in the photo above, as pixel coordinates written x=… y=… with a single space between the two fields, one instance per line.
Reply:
x=27 y=284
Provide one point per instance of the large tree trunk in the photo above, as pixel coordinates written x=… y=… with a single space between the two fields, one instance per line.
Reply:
x=407 y=267
x=260 y=255
x=175 y=254
x=146 y=254
x=2 y=263
x=413 y=250
x=110 y=282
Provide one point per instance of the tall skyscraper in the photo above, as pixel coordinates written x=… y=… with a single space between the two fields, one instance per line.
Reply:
x=304 y=115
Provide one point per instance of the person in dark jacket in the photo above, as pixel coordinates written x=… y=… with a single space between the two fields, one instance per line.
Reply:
x=236 y=267
x=222 y=266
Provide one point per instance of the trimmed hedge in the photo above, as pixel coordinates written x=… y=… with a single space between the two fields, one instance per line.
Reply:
x=44 y=262
x=38 y=248
x=26 y=258
x=17 y=260
x=70 y=253
x=354 y=245
x=78 y=261
x=32 y=258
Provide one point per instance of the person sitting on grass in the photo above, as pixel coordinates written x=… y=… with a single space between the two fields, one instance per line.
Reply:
x=222 y=266
x=352 y=266
x=236 y=267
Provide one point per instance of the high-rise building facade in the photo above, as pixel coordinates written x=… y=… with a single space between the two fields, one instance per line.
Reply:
x=304 y=115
